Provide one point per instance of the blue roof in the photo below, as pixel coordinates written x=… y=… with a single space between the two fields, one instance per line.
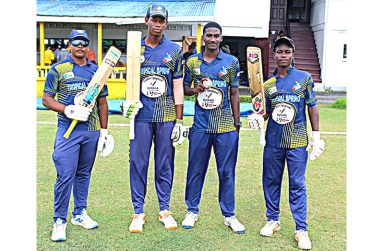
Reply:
x=121 y=8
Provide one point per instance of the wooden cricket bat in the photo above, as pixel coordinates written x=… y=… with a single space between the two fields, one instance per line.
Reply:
x=255 y=76
x=133 y=65
x=89 y=96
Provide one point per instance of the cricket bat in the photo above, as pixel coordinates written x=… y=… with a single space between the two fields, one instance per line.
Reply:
x=133 y=65
x=89 y=96
x=255 y=76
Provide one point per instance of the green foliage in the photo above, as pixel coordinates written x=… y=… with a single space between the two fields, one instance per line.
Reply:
x=189 y=98
x=340 y=103
x=110 y=204
x=245 y=99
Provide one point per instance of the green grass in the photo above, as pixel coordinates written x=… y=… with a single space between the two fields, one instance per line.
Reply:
x=110 y=203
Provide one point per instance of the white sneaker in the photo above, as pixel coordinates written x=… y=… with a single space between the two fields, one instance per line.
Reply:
x=167 y=218
x=58 y=231
x=138 y=221
x=189 y=220
x=84 y=220
x=234 y=223
x=270 y=228
x=302 y=237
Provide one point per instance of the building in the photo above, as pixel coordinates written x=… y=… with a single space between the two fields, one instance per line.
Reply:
x=320 y=35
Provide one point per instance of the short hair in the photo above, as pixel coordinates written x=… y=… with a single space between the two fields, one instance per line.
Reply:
x=212 y=25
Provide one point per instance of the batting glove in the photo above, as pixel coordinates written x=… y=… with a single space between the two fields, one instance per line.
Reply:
x=181 y=134
x=317 y=144
x=78 y=112
x=255 y=121
x=105 y=144
x=130 y=109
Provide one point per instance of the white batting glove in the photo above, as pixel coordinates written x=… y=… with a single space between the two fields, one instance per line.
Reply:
x=78 y=112
x=179 y=133
x=105 y=144
x=130 y=109
x=318 y=145
x=255 y=121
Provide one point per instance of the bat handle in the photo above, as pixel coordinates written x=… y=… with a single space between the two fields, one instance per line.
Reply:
x=261 y=136
x=132 y=135
x=70 y=129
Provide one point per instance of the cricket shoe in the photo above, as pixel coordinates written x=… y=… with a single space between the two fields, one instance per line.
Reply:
x=189 y=220
x=138 y=221
x=58 y=231
x=234 y=224
x=302 y=237
x=84 y=220
x=270 y=228
x=167 y=218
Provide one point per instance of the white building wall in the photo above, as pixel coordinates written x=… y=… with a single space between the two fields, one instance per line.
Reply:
x=329 y=25
x=243 y=18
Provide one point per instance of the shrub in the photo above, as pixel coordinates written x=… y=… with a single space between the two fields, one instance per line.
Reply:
x=340 y=103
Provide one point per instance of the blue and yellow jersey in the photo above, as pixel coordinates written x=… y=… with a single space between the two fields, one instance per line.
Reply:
x=160 y=65
x=286 y=100
x=66 y=79
x=223 y=71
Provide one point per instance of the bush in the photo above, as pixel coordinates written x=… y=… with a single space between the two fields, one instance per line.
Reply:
x=340 y=103
x=245 y=99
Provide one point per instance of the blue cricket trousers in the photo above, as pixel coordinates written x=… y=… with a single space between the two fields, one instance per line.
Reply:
x=225 y=146
x=73 y=158
x=146 y=133
x=273 y=167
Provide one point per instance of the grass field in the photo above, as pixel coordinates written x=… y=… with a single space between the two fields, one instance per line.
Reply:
x=110 y=203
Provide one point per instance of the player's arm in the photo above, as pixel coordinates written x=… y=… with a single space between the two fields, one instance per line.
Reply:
x=314 y=117
x=178 y=90
x=52 y=104
x=234 y=96
x=188 y=79
x=103 y=112
x=105 y=144
x=316 y=142
x=234 y=101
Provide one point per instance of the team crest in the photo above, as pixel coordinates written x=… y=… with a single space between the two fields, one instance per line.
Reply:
x=222 y=72
x=197 y=71
x=253 y=58
x=166 y=59
x=296 y=86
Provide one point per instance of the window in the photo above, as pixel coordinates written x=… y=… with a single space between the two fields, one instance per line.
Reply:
x=52 y=42
x=118 y=43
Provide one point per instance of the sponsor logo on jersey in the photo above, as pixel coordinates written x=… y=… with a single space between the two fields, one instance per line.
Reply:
x=288 y=98
x=68 y=75
x=77 y=86
x=166 y=59
x=222 y=72
x=296 y=86
x=155 y=70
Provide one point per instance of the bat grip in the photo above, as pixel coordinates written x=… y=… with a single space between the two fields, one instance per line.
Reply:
x=70 y=129
x=132 y=135
x=261 y=136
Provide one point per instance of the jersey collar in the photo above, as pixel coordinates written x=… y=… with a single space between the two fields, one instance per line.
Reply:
x=73 y=62
x=219 y=55
x=275 y=73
